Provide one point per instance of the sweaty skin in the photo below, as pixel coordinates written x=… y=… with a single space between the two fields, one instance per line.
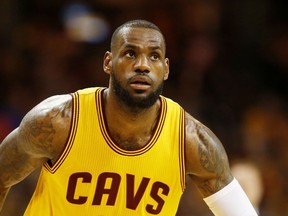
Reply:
x=137 y=62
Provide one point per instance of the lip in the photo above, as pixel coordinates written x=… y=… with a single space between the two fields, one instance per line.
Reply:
x=140 y=82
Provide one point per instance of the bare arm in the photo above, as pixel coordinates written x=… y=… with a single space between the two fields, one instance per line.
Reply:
x=206 y=160
x=41 y=136
x=208 y=166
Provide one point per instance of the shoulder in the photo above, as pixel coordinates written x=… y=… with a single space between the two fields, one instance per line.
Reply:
x=45 y=128
x=53 y=108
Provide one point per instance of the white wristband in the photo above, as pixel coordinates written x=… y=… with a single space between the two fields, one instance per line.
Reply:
x=230 y=201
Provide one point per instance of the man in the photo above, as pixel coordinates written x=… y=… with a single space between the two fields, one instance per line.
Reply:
x=121 y=150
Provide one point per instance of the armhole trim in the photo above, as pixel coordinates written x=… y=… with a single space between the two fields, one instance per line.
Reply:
x=72 y=133
x=182 y=163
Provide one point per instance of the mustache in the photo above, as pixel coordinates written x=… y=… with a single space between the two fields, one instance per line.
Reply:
x=141 y=77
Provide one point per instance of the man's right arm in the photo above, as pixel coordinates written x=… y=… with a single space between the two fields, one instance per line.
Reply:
x=41 y=136
x=15 y=164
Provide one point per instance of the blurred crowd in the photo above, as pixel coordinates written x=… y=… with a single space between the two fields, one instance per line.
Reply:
x=229 y=69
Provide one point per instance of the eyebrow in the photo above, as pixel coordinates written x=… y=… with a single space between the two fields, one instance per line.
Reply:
x=132 y=46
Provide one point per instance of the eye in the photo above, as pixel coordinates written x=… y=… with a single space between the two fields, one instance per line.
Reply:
x=130 y=53
x=155 y=56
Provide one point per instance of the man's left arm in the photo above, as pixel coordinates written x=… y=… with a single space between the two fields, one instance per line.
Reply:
x=208 y=166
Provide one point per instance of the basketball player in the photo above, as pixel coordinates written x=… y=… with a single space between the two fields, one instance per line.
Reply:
x=122 y=150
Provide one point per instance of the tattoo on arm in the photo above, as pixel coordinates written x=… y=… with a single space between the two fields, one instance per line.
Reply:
x=213 y=159
x=210 y=155
x=36 y=140
x=41 y=132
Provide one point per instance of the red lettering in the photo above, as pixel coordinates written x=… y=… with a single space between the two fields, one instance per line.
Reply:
x=154 y=194
x=132 y=199
x=108 y=184
x=112 y=191
x=72 y=183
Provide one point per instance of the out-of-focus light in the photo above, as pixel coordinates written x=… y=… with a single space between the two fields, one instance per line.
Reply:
x=83 y=25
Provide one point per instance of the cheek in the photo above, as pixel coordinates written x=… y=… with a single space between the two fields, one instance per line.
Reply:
x=158 y=79
x=119 y=74
x=161 y=73
x=122 y=67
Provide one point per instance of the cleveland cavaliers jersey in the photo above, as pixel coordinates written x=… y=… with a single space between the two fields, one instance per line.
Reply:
x=95 y=177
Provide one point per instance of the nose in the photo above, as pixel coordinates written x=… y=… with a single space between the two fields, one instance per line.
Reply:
x=142 y=64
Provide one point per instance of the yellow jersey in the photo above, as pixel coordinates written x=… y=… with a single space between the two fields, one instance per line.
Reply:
x=95 y=177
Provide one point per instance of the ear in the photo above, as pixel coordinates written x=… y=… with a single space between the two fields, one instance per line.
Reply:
x=107 y=62
x=167 y=70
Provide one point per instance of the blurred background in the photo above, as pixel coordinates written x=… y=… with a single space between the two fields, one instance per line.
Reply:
x=229 y=69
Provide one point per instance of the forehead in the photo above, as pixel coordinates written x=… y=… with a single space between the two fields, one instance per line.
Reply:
x=139 y=36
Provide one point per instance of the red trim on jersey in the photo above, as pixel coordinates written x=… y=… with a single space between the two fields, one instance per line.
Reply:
x=182 y=149
x=112 y=144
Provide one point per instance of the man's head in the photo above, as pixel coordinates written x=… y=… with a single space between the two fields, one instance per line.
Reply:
x=135 y=24
x=137 y=64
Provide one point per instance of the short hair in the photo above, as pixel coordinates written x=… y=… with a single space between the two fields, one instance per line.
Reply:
x=136 y=24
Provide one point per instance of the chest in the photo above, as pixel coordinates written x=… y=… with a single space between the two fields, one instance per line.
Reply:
x=131 y=141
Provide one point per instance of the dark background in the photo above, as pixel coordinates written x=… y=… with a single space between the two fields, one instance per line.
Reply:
x=229 y=69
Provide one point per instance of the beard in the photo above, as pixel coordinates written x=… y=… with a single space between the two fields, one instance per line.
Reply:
x=133 y=102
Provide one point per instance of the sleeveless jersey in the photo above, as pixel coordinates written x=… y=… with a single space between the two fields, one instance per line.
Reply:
x=94 y=177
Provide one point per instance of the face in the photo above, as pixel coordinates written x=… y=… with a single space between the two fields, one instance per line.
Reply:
x=137 y=66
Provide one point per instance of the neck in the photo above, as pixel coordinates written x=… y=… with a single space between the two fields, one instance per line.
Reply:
x=129 y=127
